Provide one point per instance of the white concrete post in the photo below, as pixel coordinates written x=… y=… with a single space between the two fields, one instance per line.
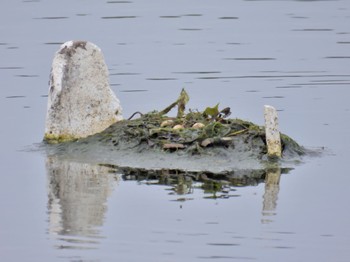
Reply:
x=80 y=101
x=273 y=138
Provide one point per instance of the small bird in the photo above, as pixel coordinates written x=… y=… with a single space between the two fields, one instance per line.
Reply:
x=225 y=112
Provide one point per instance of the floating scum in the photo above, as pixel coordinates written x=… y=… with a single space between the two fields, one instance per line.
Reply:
x=84 y=122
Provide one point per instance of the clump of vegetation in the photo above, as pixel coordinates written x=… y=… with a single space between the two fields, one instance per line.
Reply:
x=193 y=132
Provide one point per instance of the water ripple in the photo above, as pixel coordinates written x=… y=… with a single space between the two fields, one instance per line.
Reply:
x=15 y=97
x=193 y=15
x=223 y=244
x=52 y=17
x=250 y=58
x=229 y=17
x=124 y=74
x=337 y=57
x=271 y=76
x=190 y=29
x=161 y=78
x=119 y=2
x=198 y=72
x=273 y=97
x=170 y=16
x=227 y=257
x=119 y=17
x=53 y=43
x=313 y=30
x=10 y=67
x=24 y=75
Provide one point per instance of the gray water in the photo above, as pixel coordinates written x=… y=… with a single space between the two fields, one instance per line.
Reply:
x=294 y=55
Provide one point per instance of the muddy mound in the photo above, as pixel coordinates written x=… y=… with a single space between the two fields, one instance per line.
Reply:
x=196 y=141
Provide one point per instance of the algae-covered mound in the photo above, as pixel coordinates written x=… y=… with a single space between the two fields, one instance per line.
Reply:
x=192 y=133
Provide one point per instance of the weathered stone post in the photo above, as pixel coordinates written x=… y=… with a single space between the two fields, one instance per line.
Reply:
x=80 y=101
x=273 y=138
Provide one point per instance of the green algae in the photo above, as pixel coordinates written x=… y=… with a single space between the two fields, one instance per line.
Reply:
x=56 y=139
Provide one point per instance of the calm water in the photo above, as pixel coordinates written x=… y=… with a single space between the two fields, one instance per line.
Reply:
x=294 y=55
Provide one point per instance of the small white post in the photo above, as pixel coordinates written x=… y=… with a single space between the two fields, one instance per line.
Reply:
x=273 y=138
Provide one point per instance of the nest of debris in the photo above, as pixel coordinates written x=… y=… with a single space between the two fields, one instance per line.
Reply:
x=193 y=132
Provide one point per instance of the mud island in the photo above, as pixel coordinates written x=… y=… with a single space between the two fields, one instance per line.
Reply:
x=85 y=123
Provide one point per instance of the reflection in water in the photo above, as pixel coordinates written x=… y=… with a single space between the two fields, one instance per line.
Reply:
x=78 y=192
x=270 y=197
x=213 y=185
x=77 y=195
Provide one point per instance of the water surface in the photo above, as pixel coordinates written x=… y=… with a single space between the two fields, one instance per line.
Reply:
x=293 y=55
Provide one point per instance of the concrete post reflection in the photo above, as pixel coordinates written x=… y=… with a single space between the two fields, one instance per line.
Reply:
x=77 y=195
x=270 y=197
